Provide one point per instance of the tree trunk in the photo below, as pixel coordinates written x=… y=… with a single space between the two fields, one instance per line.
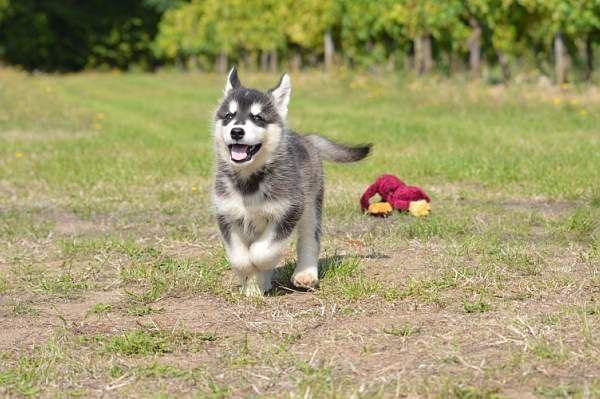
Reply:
x=391 y=63
x=296 y=61
x=474 y=44
x=560 y=58
x=409 y=60
x=454 y=62
x=274 y=61
x=264 y=61
x=329 y=49
x=589 y=57
x=418 y=56
x=180 y=61
x=246 y=62
x=423 y=54
x=504 y=66
x=427 y=54
x=221 y=62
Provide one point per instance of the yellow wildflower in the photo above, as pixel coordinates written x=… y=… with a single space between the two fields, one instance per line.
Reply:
x=19 y=155
x=556 y=101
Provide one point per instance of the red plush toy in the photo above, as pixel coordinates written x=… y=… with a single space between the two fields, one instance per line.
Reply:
x=397 y=194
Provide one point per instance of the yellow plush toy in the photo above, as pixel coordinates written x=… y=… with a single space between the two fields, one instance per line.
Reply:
x=419 y=208
x=416 y=208
x=380 y=208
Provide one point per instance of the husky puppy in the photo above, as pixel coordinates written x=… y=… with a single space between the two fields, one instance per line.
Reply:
x=269 y=183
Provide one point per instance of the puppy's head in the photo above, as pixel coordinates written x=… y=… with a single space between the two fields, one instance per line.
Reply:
x=249 y=123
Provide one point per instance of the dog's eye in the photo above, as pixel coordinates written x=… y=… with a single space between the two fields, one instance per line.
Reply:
x=258 y=118
x=228 y=116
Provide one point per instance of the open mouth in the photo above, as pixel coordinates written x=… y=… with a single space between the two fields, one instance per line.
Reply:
x=243 y=153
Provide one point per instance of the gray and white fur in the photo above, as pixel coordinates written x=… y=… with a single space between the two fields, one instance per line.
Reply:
x=269 y=183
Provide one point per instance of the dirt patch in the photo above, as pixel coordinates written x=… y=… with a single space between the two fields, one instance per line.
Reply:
x=20 y=331
x=69 y=224
x=547 y=208
x=181 y=249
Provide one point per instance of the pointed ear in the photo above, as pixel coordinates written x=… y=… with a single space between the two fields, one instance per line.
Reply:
x=281 y=95
x=233 y=82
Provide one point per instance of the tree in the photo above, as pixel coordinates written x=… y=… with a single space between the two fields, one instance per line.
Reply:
x=565 y=20
x=423 y=21
x=508 y=21
x=3 y=7
x=264 y=35
x=67 y=35
x=367 y=37
x=183 y=35
x=312 y=26
x=476 y=13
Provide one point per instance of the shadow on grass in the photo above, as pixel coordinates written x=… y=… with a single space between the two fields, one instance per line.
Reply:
x=329 y=265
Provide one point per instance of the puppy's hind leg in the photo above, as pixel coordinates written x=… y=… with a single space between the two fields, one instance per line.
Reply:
x=306 y=273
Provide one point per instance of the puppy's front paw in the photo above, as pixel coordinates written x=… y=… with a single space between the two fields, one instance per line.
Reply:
x=257 y=284
x=265 y=255
x=306 y=279
x=252 y=286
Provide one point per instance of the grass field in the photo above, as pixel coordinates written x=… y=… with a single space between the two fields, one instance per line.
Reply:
x=113 y=280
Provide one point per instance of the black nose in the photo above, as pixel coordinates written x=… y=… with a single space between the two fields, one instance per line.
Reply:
x=237 y=133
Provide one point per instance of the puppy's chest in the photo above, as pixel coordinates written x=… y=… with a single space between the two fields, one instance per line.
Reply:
x=254 y=210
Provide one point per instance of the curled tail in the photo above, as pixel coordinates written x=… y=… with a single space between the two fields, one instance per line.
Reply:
x=336 y=152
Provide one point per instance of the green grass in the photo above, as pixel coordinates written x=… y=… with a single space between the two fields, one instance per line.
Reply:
x=100 y=308
x=405 y=330
x=476 y=306
x=113 y=281
x=568 y=391
x=140 y=342
x=23 y=308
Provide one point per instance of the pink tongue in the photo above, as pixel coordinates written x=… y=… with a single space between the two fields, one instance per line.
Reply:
x=238 y=152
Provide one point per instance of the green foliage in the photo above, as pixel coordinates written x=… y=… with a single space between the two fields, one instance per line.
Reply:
x=367 y=33
x=59 y=35
x=3 y=6
x=307 y=21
